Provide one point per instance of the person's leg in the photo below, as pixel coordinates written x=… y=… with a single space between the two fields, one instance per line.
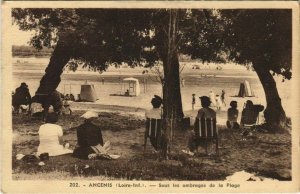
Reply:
x=106 y=146
x=228 y=123
x=192 y=143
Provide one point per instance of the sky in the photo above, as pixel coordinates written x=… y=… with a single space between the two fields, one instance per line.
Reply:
x=20 y=37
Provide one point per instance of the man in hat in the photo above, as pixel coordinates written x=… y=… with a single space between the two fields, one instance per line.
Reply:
x=88 y=136
x=21 y=97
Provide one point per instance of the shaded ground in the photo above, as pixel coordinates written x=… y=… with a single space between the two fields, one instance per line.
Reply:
x=265 y=154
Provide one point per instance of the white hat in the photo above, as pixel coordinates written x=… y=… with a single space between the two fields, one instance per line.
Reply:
x=89 y=114
x=19 y=156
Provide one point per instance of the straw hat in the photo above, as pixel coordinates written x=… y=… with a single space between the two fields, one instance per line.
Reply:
x=90 y=114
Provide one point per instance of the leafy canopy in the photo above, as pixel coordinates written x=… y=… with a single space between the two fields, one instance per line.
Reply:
x=261 y=37
x=98 y=37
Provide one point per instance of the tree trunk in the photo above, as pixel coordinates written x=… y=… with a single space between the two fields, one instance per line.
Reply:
x=274 y=113
x=50 y=81
x=172 y=104
x=171 y=90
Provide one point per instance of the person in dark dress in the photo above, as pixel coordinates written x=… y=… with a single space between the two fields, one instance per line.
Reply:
x=21 y=97
x=56 y=100
x=250 y=113
x=88 y=136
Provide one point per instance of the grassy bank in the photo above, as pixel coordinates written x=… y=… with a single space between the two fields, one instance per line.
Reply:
x=264 y=154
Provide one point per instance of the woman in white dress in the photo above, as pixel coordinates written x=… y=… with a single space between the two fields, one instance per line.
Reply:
x=212 y=98
x=50 y=136
x=218 y=102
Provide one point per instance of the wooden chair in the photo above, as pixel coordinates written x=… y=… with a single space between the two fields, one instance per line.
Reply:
x=205 y=131
x=249 y=120
x=153 y=132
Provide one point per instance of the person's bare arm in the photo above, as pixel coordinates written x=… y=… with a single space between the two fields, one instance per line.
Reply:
x=60 y=140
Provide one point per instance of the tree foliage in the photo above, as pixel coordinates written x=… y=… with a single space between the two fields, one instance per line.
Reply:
x=98 y=37
x=260 y=37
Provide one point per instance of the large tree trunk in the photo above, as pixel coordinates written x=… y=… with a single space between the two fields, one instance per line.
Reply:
x=50 y=81
x=274 y=113
x=172 y=104
x=171 y=90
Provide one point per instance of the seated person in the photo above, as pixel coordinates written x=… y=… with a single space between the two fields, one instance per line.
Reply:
x=24 y=108
x=66 y=110
x=250 y=113
x=78 y=98
x=50 y=136
x=232 y=116
x=53 y=99
x=67 y=97
x=72 y=97
x=154 y=113
x=21 y=97
x=204 y=112
x=127 y=93
x=36 y=109
x=89 y=137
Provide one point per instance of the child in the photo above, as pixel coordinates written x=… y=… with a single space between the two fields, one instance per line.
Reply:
x=232 y=116
x=193 y=101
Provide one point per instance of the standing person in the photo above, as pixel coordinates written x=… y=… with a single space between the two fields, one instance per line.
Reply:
x=89 y=137
x=50 y=136
x=21 y=97
x=212 y=98
x=103 y=81
x=193 y=101
x=182 y=82
x=232 y=116
x=223 y=97
x=218 y=102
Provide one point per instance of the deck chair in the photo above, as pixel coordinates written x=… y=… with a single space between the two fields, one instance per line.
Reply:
x=206 y=130
x=249 y=120
x=153 y=132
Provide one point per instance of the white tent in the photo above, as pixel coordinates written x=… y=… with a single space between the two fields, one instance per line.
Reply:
x=245 y=90
x=132 y=86
x=88 y=93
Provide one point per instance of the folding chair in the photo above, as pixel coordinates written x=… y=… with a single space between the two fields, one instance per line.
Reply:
x=249 y=120
x=153 y=132
x=206 y=130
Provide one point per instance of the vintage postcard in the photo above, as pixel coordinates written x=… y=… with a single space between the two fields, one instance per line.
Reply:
x=150 y=96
